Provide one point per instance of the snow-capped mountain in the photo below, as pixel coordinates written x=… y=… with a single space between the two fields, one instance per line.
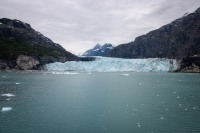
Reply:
x=99 y=50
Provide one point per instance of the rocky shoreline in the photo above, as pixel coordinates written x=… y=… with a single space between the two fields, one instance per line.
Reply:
x=25 y=62
x=190 y=65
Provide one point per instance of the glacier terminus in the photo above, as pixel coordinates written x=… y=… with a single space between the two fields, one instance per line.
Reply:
x=107 y=64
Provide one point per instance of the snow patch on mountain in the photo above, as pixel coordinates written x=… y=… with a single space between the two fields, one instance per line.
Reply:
x=99 y=50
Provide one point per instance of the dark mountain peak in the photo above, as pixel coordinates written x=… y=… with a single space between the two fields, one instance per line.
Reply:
x=198 y=10
x=107 y=45
x=15 y=23
x=97 y=46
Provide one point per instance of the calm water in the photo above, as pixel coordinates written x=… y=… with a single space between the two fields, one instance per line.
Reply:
x=100 y=102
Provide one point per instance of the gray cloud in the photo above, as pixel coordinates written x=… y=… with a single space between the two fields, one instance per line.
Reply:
x=79 y=24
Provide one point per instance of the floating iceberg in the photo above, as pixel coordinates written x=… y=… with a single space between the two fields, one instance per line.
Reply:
x=7 y=95
x=5 y=109
x=106 y=64
x=65 y=73
x=125 y=74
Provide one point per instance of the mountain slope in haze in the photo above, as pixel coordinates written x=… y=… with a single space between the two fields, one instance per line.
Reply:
x=176 y=40
x=99 y=50
x=21 y=47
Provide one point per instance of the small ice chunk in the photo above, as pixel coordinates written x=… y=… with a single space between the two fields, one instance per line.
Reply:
x=194 y=108
x=65 y=73
x=174 y=92
x=5 y=109
x=138 y=124
x=135 y=109
x=177 y=97
x=17 y=83
x=161 y=118
x=8 y=99
x=125 y=74
x=7 y=95
x=71 y=73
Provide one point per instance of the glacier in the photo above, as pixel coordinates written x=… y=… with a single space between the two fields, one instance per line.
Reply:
x=107 y=64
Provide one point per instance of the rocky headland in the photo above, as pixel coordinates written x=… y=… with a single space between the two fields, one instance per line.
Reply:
x=23 y=48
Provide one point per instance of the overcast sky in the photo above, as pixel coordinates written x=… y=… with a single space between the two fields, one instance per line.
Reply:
x=78 y=25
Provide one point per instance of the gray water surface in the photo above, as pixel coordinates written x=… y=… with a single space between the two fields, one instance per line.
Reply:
x=100 y=102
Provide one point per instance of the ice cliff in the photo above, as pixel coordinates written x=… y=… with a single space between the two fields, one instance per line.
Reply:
x=105 y=64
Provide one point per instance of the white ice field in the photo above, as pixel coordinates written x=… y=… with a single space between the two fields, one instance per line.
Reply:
x=106 y=64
